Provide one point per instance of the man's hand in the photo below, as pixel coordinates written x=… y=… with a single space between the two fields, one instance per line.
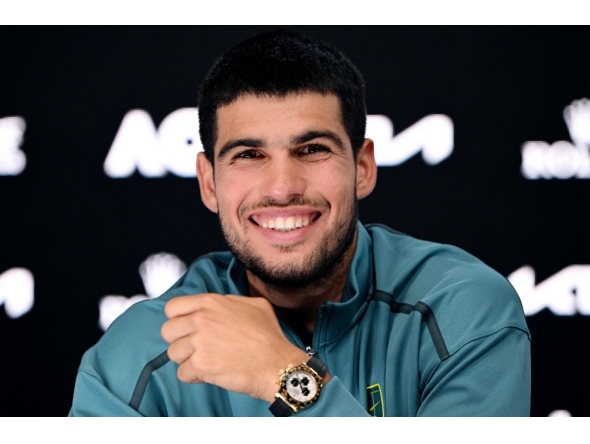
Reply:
x=234 y=342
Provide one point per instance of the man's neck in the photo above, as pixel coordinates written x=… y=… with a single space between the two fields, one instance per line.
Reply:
x=298 y=308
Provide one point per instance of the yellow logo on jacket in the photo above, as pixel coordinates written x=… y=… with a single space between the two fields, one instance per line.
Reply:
x=375 y=400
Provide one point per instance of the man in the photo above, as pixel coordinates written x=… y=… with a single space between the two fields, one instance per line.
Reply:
x=312 y=313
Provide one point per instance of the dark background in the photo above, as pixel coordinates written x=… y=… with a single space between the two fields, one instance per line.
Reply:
x=83 y=234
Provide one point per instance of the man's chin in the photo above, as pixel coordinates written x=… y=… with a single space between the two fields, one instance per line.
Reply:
x=286 y=277
x=315 y=270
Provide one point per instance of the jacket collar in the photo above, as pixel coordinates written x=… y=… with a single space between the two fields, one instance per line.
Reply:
x=335 y=318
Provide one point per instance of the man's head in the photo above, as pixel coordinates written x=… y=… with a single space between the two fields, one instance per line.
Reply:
x=278 y=63
x=288 y=167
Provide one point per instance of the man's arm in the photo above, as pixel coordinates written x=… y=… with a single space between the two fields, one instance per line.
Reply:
x=489 y=376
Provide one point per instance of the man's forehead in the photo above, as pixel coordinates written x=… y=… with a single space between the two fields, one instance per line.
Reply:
x=285 y=116
x=253 y=101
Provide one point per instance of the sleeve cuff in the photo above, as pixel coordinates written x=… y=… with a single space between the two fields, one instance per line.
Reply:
x=334 y=400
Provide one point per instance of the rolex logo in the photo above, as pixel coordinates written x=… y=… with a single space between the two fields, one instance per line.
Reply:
x=577 y=118
x=158 y=273
x=562 y=159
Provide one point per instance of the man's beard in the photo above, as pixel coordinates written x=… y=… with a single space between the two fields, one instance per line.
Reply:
x=315 y=270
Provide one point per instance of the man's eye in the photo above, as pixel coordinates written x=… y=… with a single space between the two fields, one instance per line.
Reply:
x=249 y=154
x=314 y=149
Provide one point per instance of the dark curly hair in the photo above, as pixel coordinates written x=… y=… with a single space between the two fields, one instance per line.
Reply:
x=277 y=63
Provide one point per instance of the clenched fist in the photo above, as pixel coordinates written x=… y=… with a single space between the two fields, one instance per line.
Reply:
x=234 y=342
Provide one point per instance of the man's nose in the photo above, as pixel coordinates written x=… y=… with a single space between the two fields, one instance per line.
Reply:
x=284 y=178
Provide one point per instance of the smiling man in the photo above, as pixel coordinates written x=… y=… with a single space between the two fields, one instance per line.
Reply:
x=311 y=313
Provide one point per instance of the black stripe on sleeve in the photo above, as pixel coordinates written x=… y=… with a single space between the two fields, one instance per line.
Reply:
x=439 y=342
x=427 y=316
x=144 y=378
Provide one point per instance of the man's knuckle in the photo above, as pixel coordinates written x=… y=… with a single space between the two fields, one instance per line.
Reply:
x=172 y=354
x=165 y=332
x=181 y=373
x=197 y=320
x=194 y=340
x=194 y=363
x=207 y=298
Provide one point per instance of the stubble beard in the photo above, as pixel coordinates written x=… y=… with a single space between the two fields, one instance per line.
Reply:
x=315 y=270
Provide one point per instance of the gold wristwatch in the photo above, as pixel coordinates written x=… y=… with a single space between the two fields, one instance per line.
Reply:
x=299 y=387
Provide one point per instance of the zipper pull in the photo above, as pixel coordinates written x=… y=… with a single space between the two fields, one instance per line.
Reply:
x=310 y=351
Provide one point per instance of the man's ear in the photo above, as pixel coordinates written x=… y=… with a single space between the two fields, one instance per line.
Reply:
x=366 y=169
x=206 y=182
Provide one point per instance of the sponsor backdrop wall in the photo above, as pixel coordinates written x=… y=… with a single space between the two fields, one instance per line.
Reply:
x=482 y=140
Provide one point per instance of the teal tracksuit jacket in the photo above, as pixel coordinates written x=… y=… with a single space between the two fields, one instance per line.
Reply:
x=423 y=329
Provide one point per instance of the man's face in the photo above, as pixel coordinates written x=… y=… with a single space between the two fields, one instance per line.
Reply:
x=284 y=186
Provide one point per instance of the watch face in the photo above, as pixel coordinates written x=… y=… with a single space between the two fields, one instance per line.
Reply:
x=301 y=386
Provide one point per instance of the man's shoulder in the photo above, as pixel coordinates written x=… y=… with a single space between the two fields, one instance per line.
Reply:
x=390 y=243
x=394 y=251
x=462 y=293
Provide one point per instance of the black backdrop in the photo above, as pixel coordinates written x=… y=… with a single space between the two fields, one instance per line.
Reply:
x=83 y=234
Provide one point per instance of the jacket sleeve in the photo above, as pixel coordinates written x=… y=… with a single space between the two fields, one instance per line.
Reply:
x=93 y=398
x=110 y=370
x=489 y=376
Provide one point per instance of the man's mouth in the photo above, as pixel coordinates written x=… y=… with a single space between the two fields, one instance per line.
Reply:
x=285 y=223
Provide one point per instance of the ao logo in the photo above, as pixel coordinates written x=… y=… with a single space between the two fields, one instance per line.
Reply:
x=158 y=272
x=12 y=159
x=562 y=159
x=17 y=291
x=433 y=135
x=565 y=293
x=173 y=147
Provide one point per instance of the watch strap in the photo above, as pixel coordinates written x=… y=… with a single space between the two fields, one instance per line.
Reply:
x=318 y=366
x=280 y=408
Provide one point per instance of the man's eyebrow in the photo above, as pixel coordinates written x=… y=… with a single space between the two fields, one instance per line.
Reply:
x=311 y=135
x=297 y=140
x=249 y=143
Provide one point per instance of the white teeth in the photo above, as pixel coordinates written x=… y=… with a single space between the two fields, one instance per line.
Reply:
x=287 y=223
